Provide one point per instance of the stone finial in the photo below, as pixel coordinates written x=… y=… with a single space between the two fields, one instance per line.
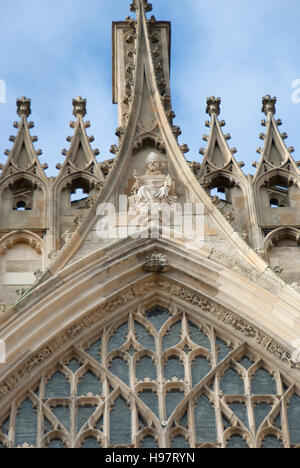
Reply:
x=23 y=107
x=137 y=3
x=79 y=107
x=213 y=105
x=269 y=104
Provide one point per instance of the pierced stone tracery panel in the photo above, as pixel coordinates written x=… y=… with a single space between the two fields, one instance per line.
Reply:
x=158 y=378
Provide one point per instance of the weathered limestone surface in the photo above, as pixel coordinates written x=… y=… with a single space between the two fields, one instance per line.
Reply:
x=60 y=278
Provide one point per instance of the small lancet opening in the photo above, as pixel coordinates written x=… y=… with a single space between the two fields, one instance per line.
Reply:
x=218 y=192
x=21 y=206
x=78 y=195
x=221 y=188
x=22 y=195
x=80 y=191
x=278 y=191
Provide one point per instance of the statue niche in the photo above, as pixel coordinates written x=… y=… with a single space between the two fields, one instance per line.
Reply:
x=155 y=188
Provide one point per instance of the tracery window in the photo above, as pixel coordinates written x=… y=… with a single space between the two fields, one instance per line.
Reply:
x=157 y=378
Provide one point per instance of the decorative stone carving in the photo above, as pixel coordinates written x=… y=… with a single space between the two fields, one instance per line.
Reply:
x=22 y=292
x=235 y=264
x=78 y=220
x=67 y=236
x=4 y=308
x=79 y=107
x=156 y=263
x=153 y=187
x=277 y=269
x=213 y=105
x=269 y=105
x=136 y=5
x=24 y=107
x=295 y=359
x=114 y=149
x=53 y=254
x=38 y=274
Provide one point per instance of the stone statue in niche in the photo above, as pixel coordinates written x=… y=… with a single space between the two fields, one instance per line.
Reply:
x=154 y=187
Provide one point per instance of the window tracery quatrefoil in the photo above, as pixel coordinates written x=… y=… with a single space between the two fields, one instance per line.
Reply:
x=156 y=378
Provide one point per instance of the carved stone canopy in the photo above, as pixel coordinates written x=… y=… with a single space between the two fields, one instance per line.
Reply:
x=23 y=107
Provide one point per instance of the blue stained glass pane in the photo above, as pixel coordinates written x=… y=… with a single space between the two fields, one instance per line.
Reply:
x=205 y=421
x=95 y=351
x=158 y=316
x=149 y=442
x=226 y=423
x=57 y=387
x=231 y=383
x=120 y=369
x=246 y=363
x=83 y=415
x=47 y=426
x=55 y=444
x=172 y=336
x=118 y=339
x=26 y=425
x=240 y=410
x=263 y=383
x=145 y=368
x=293 y=415
x=142 y=423
x=174 y=368
x=238 y=442
x=180 y=442
x=120 y=423
x=63 y=415
x=173 y=398
x=261 y=411
x=198 y=337
x=99 y=425
x=91 y=443
x=271 y=442
x=144 y=337
x=184 y=421
x=5 y=426
x=277 y=422
x=74 y=365
x=223 y=349
x=150 y=399
x=89 y=383
x=200 y=368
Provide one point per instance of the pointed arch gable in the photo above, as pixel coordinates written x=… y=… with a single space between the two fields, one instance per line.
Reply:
x=153 y=405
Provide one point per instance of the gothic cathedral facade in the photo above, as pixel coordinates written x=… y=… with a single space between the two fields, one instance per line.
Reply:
x=162 y=308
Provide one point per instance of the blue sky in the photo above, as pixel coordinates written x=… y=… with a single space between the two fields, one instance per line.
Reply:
x=236 y=49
